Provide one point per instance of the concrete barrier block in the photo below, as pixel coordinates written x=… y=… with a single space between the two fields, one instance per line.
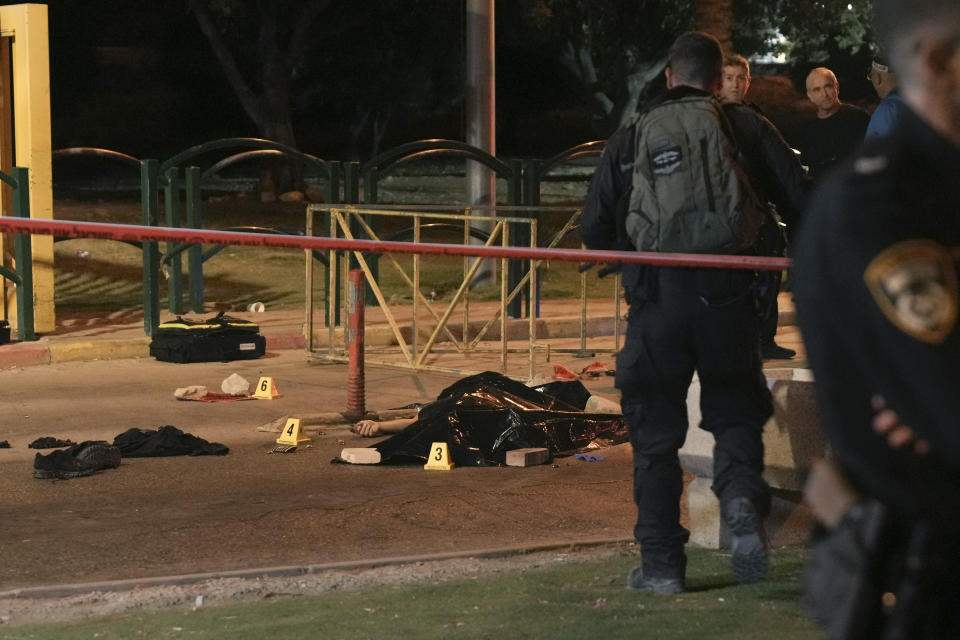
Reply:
x=704 y=510
x=792 y=437
x=788 y=523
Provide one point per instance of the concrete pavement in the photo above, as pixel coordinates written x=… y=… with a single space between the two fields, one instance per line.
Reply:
x=157 y=517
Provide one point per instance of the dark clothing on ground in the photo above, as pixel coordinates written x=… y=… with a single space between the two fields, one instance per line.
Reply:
x=50 y=442
x=682 y=321
x=165 y=441
x=826 y=141
x=878 y=317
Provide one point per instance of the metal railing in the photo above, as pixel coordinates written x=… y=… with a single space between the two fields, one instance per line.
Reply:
x=177 y=175
x=353 y=222
x=149 y=234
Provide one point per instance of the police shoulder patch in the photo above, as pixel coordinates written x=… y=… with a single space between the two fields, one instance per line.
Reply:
x=666 y=159
x=915 y=285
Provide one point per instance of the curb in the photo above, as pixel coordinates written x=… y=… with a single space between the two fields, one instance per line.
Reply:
x=24 y=354
x=66 y=590
x=110 y=349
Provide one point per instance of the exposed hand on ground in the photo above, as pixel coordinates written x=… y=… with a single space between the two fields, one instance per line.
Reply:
x=887 y=423
x=366 y=428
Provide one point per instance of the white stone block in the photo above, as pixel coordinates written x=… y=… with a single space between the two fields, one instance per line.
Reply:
x=360 y=455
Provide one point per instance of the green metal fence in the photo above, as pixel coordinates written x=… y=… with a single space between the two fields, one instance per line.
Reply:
x=180 y=179
x=22 y=275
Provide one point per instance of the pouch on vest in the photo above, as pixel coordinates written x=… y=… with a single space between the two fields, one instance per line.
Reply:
x=691 y=193
x=217 y=339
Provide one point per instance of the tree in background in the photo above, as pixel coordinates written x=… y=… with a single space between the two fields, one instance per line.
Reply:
x=360 y=63
x=614 y=48
x=392 y=63
x=261 y=47
x=833 y=33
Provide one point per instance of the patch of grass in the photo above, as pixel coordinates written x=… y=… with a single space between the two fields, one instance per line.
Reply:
x=110 y=276
x=107 y=276
x=579 y=598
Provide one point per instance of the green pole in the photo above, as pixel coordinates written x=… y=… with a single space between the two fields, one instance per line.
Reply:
x=149 y=178
x=195 y=252
x=171 y=205
x=23 y=254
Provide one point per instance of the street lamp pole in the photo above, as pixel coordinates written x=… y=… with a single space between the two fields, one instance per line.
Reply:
x=481 y=111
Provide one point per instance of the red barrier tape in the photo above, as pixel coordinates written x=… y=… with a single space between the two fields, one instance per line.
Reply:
x=129 y=232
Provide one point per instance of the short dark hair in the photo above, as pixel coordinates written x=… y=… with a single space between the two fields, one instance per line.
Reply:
x=696 y=59
x=896 y=23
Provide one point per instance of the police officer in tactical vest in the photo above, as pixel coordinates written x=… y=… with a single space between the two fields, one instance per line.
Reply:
x=688 y=192
x=876 y=288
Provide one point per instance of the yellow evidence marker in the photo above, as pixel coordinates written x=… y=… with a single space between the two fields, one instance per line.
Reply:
x=266 y=389
x=439 y=458
x=291 y=433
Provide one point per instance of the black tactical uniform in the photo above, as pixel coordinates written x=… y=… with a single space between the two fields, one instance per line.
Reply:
x=779 y=178
x=683 y=320
x=876 y=292
x=774 y=168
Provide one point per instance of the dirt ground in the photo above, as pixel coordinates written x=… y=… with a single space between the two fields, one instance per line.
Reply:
x=250 y=509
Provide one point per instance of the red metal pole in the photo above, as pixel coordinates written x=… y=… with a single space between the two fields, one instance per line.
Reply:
x=356 y=301
x=78 y=229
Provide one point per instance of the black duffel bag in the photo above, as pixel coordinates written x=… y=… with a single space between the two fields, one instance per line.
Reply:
x=217 y=339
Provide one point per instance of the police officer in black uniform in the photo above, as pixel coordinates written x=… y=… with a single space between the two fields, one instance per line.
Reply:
x=687 y=319
x=877 y=300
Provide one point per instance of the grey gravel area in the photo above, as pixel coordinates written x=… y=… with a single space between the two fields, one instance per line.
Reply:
x=221 y=591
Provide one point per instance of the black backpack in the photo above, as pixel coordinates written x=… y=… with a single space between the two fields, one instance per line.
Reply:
x=217 y=339
x=690 y=189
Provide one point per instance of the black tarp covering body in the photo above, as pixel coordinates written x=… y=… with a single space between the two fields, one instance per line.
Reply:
x=481 y=417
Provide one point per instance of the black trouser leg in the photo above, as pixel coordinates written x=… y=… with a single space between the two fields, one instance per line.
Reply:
x=734 y=401
x=653 y=375
x=768 y=329
x=703 y=320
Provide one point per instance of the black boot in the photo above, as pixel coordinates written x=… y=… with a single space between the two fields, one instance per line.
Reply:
x=79 y=460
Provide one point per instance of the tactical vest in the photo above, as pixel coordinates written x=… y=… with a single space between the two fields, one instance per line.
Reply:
x=691 y=193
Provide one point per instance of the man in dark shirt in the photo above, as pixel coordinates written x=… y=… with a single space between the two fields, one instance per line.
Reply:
x=838 y=128
x=876 y=287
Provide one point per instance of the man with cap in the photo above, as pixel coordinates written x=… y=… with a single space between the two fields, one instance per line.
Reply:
x=884 y=82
